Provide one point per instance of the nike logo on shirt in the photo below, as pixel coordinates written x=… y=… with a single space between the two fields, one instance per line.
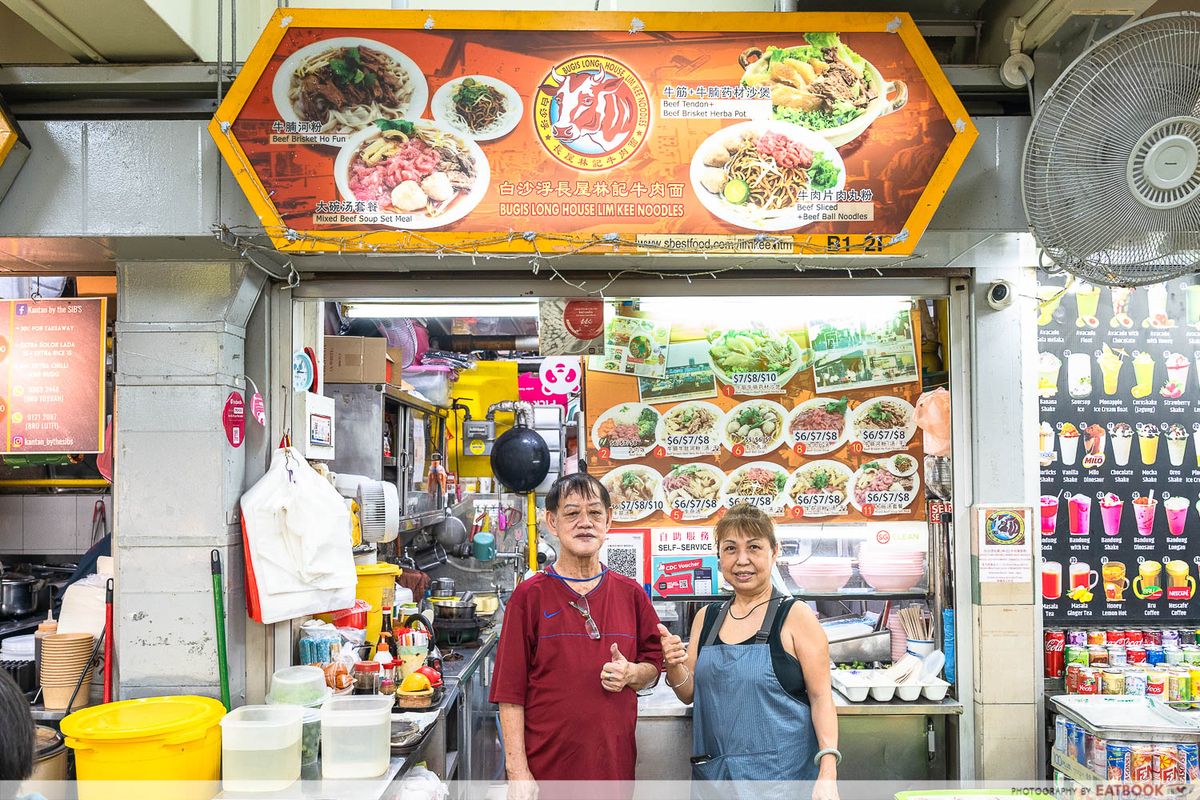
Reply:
x=549 y=614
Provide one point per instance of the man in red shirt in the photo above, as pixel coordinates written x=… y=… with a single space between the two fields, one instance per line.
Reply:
x=577 y=642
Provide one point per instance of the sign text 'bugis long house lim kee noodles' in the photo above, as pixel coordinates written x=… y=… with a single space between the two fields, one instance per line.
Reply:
x=569 y=132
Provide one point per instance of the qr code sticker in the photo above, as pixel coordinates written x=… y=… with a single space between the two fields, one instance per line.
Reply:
x=624 y=561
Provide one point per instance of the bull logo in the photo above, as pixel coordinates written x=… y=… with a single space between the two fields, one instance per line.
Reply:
x=591 y=112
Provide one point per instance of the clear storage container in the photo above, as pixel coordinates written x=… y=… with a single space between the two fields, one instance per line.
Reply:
x=298 y=686
x=260 y=748
x=433 y=382
x=356 y=736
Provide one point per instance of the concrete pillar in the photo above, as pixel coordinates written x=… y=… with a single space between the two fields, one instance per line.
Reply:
x=1007 y=641
x=181 y=331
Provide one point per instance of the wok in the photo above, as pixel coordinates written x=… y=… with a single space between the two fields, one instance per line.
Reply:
x=520 y=459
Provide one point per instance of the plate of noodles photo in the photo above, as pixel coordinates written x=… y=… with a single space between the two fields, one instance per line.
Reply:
x=753 y=174
x=347 y=83
x=478 y=106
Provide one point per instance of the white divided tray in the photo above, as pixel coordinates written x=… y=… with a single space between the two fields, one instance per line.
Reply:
x=856 y=685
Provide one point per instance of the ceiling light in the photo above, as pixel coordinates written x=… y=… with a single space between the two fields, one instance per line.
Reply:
x=472 y=309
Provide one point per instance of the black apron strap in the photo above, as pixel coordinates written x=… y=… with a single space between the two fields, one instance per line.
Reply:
x=715 y=630
x=764 y=631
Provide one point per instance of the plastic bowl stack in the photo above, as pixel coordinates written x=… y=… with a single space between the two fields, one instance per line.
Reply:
x=891 y=569
x=65 y=656
x=821 y=573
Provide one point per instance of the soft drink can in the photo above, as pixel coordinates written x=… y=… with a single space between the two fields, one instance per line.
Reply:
x=1191 y=654
x=1117 y=655
x=1196 y=636
x=1072 y=679
x=1179 y=688
x=1096 y=637
x=1112 y=682
x=1077 y=655
x=1098 y=754
x=1151 y=636
x=1167 y=767
x=1114 y=636
x=1117 y=757
x=1135 y=654
x=1194 y=674
x=1078 y=637
x=1133 y=637
x=1189 y=754
x=1156 y=684
x=1089 y=681
x=1135 y=682
x=1141 y=763
x=1081 y=749
x=1097 y=656
x=1060 y=733
x=1155 y=654
x=1170 y=638
x=1172 y=656
x=1070 y=750
x=1054 y=655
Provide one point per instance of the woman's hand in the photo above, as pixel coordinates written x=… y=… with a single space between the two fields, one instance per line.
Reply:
x=825 y=789
x=674 y=652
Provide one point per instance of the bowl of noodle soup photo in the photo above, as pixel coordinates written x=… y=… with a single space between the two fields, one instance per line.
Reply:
x=346 y=84
x=753 y=174
x=477 y=106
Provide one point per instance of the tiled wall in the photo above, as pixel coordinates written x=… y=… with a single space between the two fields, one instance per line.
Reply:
x=48 y=524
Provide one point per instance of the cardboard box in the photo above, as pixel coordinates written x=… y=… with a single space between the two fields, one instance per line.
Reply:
x=396 y=356
x=356 y=359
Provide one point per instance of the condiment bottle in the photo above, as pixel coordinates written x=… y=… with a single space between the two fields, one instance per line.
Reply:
x=44 y=629
x=366 y=677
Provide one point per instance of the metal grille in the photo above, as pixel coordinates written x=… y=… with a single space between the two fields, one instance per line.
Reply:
x=1088 y=194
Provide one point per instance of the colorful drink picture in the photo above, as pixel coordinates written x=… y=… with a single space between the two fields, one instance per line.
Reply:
x=1176 y=509
x=1111 y=507
x=1049 y=366
x=1143 y=514
x=1178 y=367
x=1079 y=514
x=1093 y=445
x=1192 y=304
x=1049 y=514
x=1110 y=362
x=1087 y=303
x=1052 y=583
x=1120 y=304
x=1049 y=299
x=1115 y=582
x=1148 y=442
x=1083 y=577
x=1156 y=304
x=1180 y=583
x=1148 y=584
x=1143 y=375
x=1177 y=439
x=1079 y=375
x=1122 y=440
x=1068 y=443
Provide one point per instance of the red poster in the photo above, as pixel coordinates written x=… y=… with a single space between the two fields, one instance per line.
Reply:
x=233 y=417
x=52 y=375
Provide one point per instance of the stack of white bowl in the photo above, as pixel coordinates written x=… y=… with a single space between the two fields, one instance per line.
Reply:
x=890 y=569
x=821 y=573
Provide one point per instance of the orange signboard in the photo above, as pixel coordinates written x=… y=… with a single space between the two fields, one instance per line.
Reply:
x=574 y=132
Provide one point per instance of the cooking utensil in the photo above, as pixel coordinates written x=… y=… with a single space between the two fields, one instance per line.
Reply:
x=108 y=640
x=442 y=587
x=520 y=458
x=467 y=596
x=453 y=609
x=20 y=595
x=219 y=611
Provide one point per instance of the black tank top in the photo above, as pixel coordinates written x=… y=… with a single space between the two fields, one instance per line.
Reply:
x=787 y=668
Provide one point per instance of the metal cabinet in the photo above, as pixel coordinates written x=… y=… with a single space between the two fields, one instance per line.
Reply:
x=487 y=750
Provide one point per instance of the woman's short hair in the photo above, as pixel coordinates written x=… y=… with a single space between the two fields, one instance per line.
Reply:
x=747 y=522
x=16 y=754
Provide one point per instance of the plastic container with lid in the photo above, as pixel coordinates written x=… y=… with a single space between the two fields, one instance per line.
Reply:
x=260 y=748
x=356 y=736
x=367 y=675
x=153 y=738
x=376 y=586
x=298 y=686
x=432 y=381
x=310 y=737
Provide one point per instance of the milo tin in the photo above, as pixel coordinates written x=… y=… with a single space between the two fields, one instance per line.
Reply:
x=1135 y=682
x=1112 y=682
x=1189 y=754
x=1118 y=756
x=1170 y=638
x=1172 y=656
x=1077 y=654
x=1117 y=655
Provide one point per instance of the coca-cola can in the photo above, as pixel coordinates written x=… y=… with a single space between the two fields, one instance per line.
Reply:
x=1112 y=637
x=1095 y=637
x=1078 y=637
x=1133 y=637
x=1151 y=636
x=1089 y=681
x=1055 y=653
x=1135 y=654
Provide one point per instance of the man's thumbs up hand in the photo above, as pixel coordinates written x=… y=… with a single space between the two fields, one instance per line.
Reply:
x=614 y=676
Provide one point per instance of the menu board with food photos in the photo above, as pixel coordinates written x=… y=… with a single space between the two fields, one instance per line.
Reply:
x=814 y=421
x=1118 y=431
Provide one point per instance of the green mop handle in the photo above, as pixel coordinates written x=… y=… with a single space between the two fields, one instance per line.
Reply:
x=219 y=607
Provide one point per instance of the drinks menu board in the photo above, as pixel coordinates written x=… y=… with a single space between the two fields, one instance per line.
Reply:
x=52 y=375
x=812 y=421
x=1119 y=450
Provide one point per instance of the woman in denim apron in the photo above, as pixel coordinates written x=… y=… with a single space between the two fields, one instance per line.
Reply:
x=757 y=672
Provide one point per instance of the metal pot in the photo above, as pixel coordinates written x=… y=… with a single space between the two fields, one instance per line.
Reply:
x=21 y=595
x=50 y=762
x=442 y=587
x=453 y=609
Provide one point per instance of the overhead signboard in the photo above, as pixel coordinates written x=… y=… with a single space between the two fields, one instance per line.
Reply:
x=577 y=132
x=52 y=375
x=14 y=148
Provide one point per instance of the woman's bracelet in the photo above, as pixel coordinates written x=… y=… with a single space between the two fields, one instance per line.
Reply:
x=828 y=751
x=682 y=682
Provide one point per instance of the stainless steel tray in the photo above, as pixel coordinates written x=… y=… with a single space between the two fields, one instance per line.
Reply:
x=1138 y=719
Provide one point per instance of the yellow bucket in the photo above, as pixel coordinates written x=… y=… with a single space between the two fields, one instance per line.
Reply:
x=376 y=586
x=151 y=739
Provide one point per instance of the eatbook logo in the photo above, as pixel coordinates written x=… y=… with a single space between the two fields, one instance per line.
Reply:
x=591 y=112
